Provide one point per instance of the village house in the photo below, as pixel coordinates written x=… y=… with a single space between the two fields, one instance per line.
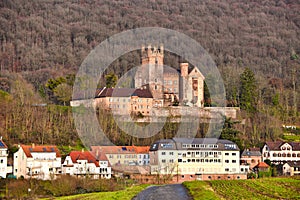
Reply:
x=4 y=169
x=280 y=152
x=261 y=167
x=291 y=168
x=85 y=164
x=196 y=159
x=251 y=157
x=124 y=155
x=37 y=161
x=125 y=101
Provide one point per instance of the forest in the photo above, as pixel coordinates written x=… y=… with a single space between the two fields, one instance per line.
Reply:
x=255 y=45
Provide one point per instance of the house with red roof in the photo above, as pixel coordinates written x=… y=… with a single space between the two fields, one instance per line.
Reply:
x=125 y=155
x=280 y=152
x=37 y=161
x=4 y=169
x=84 y=163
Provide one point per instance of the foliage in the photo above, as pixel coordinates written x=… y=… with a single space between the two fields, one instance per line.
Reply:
x=63 y=185
x=248 y=91
x=111 y=80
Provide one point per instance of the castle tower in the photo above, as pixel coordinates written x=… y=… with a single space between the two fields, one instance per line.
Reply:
x=151 y=71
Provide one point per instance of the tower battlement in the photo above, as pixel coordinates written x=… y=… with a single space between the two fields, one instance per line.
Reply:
x=151 y=51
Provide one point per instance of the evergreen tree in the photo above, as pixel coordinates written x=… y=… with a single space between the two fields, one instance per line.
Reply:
x=248 y=91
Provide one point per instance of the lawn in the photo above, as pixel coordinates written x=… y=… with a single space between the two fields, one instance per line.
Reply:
x=266 y=188
x=126 y=194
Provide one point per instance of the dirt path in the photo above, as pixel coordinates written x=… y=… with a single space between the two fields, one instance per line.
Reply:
x=165 y=192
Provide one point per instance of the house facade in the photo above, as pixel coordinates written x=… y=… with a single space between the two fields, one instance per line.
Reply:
x=291 y=168
x=124 y=155
x=196 y=159
x=3 y=159
x=280 y=152
x=37 y=161
x=125 y=101
x=251 y=157
x=85 y=164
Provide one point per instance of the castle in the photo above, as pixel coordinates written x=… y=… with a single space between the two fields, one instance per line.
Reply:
x=167 y=85
x=157 y=87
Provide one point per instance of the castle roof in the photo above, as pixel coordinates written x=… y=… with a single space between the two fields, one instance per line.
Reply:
x=124 y=92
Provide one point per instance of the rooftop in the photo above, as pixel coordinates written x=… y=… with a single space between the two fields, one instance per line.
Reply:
x=28 y=149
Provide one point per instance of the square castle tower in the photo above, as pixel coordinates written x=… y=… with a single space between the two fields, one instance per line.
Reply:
x=184 y=86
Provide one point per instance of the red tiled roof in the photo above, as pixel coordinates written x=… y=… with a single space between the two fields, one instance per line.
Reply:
x=28 y=149
x=86 y=155
x=276 y=145
x=121 y=149
x=262 y=165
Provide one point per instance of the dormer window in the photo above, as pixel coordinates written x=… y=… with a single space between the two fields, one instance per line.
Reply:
x=282 y=148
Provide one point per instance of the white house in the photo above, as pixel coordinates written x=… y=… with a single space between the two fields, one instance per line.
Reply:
x=196 y=159
x=3 y=159
x=84 y=163
x=281 y=152
x=33 y=161
x=291 y=168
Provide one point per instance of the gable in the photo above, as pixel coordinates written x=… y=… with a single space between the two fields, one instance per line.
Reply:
x=196 y=73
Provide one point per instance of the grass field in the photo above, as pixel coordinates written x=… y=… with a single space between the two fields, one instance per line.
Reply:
x=267 y=188
x=127 y=194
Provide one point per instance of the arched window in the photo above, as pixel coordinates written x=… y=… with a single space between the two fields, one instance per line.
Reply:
x=279 y=154
x=293 y=155
x=274 y=154
x=283 y=148
x=283 y=155
x=298 y=155
x=288 y=155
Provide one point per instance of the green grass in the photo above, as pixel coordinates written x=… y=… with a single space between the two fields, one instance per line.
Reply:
x=126 y=194
x=267 y=188
x=200 y=190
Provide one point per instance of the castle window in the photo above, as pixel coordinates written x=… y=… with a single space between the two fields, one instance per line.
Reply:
x=155 y=87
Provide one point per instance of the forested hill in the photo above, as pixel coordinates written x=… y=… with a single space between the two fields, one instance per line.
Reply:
x=48 y=39
x=53 y=34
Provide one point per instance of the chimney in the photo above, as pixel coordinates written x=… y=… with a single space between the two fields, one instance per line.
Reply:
x=184 y=69
x=97 y=153
x=162 y=48
x=33 y=145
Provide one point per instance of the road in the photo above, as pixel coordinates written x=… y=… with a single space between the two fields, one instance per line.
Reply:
x=165 y=192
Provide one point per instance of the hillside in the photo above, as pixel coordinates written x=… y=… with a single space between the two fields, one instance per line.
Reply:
x=270 y=188
x=48 y=39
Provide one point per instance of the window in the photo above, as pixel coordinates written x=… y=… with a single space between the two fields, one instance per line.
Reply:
x=179 y=160
x=226 y=169
x=1 y=161
x=209 y=177
x=226 y=154
x=234 y=154
x=163 y=160
x=171 y=161
x=227 y=161
x=171 y=153
x=233 y=161
x=163 y=153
